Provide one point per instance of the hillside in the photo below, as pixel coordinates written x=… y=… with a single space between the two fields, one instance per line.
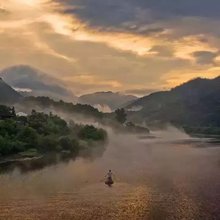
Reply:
x=7 y=94
x=107 y=100
x=192 y=104
x=39 y=133
x=64 y=109
x=33 y=82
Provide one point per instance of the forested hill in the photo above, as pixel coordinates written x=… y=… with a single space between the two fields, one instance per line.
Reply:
x=48 y=104
x=192 y=104
x=40 y=133
x=9 y=96
x=108 y=99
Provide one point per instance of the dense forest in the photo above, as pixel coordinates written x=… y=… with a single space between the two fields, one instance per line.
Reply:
x=193 y=106
x=42 y=133
x=43 y=103
x=116 y=120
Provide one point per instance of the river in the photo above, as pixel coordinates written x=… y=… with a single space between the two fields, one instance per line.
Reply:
x=171 y=176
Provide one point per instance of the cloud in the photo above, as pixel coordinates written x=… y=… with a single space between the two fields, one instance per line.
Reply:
x=3 y=11
x=166 y=18
x=205 y=57
x=162 y=50
x=112 y=45
x=115 y=13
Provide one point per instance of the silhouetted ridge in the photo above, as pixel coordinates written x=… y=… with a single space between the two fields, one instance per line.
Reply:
x=7 y=94
x=194 y=103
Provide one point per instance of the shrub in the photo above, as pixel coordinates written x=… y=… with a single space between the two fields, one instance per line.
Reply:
x=70 y=144
x=91 y=133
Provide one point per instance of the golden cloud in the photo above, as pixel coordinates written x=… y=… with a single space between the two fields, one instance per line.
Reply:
x=22 y=28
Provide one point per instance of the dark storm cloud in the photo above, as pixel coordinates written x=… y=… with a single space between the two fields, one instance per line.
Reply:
x=101 y=12
x=205 y=57
x=203 y=8
x=118 y=12
x=149 y=42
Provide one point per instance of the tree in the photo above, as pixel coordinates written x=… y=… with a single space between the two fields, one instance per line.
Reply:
x=121 y=115
x=48 y=143
x=70 y=144
x=42 y=133
x=5 y=112
x=89 y=132
x=13 y=113
x=29 y=136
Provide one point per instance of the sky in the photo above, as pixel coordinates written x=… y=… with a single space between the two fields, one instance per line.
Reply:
x=132 y=46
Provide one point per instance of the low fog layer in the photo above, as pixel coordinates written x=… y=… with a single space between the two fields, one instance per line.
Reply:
x=168 y=175
x=132 y=159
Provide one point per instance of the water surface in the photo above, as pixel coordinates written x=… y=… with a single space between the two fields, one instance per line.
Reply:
x=171 y=176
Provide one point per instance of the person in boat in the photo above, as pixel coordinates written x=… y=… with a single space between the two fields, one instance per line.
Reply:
x=109 y=179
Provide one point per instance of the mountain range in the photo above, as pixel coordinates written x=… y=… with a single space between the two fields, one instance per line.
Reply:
x=30 y=81
x=107 y=101
x=195 y=103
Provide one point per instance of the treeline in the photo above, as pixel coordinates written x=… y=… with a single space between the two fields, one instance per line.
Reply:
x=41 y=133
x=70 y=108
x=211 y=130
x=117 y=120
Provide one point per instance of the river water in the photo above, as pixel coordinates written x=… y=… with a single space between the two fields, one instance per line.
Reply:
x=171 y=176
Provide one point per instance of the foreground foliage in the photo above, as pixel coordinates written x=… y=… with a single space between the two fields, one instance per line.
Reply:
x=39 y=132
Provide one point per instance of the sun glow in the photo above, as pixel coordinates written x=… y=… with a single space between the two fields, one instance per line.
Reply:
x=32 y=3
x=55 y=34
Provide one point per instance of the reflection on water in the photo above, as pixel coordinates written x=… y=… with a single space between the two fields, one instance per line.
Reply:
x=26 y=165
x=169 y=177
x=37 y=163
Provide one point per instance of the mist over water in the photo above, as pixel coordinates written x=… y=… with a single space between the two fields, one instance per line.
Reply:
x=169 y=176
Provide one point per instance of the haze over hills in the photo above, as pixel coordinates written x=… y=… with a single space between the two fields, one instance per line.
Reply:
x=107 y=101
x=29 y=81
x=195 y=103
x=33 y=82
x=7 y=94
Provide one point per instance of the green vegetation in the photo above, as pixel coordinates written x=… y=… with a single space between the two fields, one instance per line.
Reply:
x=194 y=105
x=132 y=128
x=6 y=112
x=89 y=132
x=203 y=130
x=61 y=106
x=115 y=120
x=42 y=133
x=121 y=115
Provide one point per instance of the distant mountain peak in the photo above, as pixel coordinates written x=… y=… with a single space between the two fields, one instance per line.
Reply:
x=107 y=99
x=24 y=77
x=193 y=82
x=194 y=103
